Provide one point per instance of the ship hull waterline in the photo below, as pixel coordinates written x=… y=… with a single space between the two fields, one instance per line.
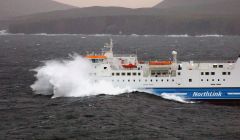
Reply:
x=223 y=93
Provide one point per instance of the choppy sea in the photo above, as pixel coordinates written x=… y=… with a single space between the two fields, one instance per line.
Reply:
x=25 y=115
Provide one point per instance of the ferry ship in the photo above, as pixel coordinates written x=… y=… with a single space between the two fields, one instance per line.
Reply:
x=188 y=80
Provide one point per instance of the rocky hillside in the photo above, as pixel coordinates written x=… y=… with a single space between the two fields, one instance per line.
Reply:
x=170 y=17
x=14 y=8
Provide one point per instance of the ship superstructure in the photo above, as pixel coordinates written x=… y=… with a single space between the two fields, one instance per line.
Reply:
x=190 y=80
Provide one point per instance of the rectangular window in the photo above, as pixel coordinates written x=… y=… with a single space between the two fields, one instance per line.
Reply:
x=134 y=74
x=179 y=73
x=123 y=74
x=212 y=73
x=129 y=74
x=105 y=68
x=220 y=66
x=206 y=73
x=202 y=73
x=224 y=73
x=229 y=73
x=190 y=80
x=112 y=74
x=214 y=66
x=118 y=74
x=139 y=74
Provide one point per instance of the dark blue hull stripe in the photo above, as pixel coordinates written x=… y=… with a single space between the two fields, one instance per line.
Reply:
x=199 y=93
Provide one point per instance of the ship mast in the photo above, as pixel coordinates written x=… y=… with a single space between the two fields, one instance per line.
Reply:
x=110 y=47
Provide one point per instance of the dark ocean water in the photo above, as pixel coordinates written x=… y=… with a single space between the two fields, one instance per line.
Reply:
x=24 y=115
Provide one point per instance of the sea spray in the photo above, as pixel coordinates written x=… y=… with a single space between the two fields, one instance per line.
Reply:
x=174 y=97
x=70 y=78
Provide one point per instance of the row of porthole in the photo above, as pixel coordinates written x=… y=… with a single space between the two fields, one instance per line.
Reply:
x=145 y=80
x=214 y=80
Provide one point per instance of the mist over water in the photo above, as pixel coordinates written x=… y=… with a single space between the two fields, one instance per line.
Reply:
x=70 y=78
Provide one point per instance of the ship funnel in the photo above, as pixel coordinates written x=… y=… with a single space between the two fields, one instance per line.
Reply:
x=174 y=53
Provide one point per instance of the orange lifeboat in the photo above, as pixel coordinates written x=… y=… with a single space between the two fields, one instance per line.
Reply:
x=160 y=62
x=129 y=66
x=96 y=57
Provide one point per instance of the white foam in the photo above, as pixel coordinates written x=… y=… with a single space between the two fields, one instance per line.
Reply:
x=213 y=35
x=70 y=78
x=174 y=97
x=184 y=35
x=4 y=32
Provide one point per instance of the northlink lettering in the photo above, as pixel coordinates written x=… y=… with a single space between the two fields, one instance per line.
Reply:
x=207 y=94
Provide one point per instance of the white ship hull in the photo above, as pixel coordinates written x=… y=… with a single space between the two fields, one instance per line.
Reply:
x=190 y=80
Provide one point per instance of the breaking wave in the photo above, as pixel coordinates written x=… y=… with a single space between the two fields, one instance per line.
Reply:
x=213 y=35
x=184 y=35
x=70 y=78
x=175 y=98
x=5 y=32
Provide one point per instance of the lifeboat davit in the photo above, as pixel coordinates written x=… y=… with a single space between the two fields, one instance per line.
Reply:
x=129 y=66
x=160 y=62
